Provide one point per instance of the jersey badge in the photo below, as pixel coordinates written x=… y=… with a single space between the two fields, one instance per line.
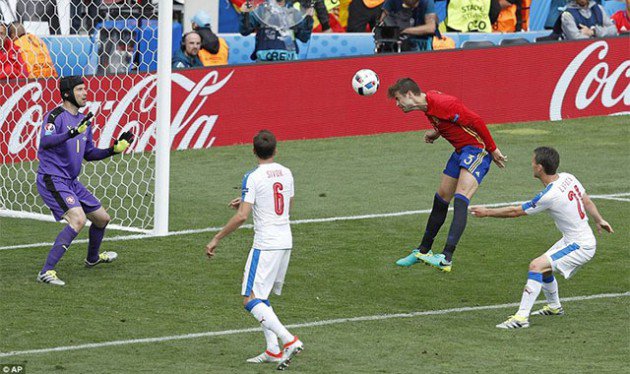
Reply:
x=49 y=129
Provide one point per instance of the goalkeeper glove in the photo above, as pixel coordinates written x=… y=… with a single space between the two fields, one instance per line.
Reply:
x=123 y=142
x=82 y=127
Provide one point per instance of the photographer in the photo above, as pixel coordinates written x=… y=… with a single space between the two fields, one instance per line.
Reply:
x=416 y=20
x=276 y=43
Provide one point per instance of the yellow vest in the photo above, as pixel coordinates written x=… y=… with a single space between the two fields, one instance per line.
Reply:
x=469 y=15
x=221 y=58
x=36 y=57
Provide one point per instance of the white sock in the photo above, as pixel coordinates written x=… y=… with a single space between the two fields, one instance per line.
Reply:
x=272 y=341
x=530 y=294
x=550 y=289
x=271 y=338
x=268 y=319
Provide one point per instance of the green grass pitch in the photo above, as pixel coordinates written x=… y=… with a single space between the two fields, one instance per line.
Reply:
x=165 y=286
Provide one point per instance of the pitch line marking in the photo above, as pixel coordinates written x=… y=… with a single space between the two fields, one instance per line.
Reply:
x=295 y=326
x=293 y=222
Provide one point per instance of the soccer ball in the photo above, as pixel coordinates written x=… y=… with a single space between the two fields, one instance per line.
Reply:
x=365 y=82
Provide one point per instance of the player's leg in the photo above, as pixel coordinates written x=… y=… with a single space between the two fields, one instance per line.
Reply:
x=99 y=219
x=550 y=289
x=258 y=280
x=64 y=204
x=532 y=289
x=441 y=201
x=566 y=259
x=473 y=164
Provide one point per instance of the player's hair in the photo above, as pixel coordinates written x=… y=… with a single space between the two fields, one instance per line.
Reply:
x=402 y=86
x=264 y=144
x=548 y=158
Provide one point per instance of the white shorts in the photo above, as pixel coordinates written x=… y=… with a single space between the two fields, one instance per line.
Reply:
x=264 y=272
x=568 y=257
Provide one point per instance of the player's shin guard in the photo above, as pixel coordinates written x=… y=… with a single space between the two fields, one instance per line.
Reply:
x=268 y=319
x=435 y=222
x=458 y=225
x=62 y=243
x=94 y=244
x=550 y=289
x=530 y=294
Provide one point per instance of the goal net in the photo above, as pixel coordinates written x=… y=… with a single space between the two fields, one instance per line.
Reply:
x=113 y=46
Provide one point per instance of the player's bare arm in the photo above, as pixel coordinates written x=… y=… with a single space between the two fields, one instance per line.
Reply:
x=591 y=209
x=234 y=223
x=504 y=212
x=431 y=135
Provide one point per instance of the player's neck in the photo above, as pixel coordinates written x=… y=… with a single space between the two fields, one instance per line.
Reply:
x=70 y=108
x=422 y=102
x=267 y=161
x=548 y=179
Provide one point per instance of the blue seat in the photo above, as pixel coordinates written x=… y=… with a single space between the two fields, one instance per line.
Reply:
x=613 y=6
x=71 y=55
x=148 y=43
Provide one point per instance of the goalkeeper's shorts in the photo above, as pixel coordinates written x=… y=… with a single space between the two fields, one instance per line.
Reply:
x=61 y=194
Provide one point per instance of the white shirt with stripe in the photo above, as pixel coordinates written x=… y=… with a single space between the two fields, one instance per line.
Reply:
x=269 y=188
x=563 y=200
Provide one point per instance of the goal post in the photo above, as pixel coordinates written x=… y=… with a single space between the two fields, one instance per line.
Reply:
x=125 y=59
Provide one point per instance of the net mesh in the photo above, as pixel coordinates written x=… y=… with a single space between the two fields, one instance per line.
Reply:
x=113 y=45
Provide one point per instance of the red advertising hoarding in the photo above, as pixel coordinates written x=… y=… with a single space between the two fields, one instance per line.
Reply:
x=314 y=99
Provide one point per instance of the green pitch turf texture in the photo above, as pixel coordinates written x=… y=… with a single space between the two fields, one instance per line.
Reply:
x=165 y=286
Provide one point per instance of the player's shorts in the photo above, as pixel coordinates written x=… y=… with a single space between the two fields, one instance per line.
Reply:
x=61 y=194
x=264 y=272
x=567 y=257
x=476 y=160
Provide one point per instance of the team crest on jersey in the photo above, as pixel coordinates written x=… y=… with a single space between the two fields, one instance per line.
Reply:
x=70 y=200
x=49 y=129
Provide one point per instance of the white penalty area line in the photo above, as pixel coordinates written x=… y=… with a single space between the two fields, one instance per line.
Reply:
x=615 y=196
x=295 y=326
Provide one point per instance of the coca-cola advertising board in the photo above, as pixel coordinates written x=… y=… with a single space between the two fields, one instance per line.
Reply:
x=315 y=99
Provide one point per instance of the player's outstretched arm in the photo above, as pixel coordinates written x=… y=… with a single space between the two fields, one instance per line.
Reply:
x=234 y=223
x=591 y=209
x=504 y=212
x=49 y=140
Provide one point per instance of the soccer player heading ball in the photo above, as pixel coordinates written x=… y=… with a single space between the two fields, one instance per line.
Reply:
x=566 y=200
x=466 y=168
x=66 y=139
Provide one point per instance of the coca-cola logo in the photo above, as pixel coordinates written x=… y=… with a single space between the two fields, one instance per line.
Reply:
x=601 y=81
x=191 y=125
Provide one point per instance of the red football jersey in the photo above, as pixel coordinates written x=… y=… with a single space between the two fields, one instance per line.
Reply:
x=622 y=21
x=456 y=123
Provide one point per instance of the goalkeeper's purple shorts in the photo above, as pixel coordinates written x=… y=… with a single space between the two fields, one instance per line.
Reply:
x=61 y=194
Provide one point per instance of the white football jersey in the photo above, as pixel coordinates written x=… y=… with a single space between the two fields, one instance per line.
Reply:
x=269 y=188
x=563 y=200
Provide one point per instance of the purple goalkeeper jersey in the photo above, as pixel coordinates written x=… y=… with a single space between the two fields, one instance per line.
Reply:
x=60 y=155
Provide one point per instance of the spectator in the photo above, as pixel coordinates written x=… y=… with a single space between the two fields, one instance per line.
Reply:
x=622 y=19
x=11 y=64
x=473 y=15
x=187 y=56
x=34 y=52
x=272 y=43
x=363 y=13
x=416 y=20
x=214 y=50
x=584 y=19
x=513 y=15
x=321 y=11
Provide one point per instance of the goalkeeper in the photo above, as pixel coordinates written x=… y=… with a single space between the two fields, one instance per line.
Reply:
x=66 y=139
